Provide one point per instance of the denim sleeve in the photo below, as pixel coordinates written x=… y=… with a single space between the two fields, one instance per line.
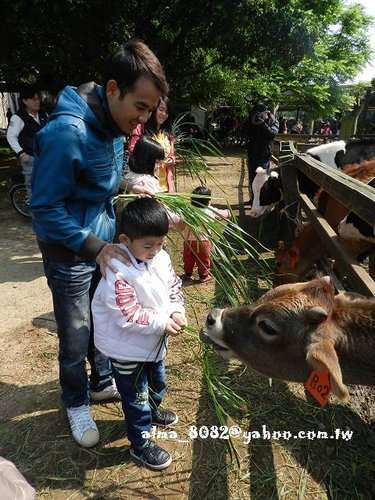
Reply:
x=59 y=158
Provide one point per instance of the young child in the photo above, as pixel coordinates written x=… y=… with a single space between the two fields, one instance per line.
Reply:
x=134 y=312
x=144 y=166
x=142 y=178
x=197 y=251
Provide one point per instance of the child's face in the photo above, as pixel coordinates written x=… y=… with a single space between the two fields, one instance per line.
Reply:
x=143 y=248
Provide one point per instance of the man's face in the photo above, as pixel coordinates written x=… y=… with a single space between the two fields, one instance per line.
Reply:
x=32 y=104
x=135 y=107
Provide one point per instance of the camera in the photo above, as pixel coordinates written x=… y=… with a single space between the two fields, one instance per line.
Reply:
x=258 y=117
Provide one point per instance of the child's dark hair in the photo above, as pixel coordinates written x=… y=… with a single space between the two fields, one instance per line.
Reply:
x=144 y=217
x=197 y=201
x=145 y=153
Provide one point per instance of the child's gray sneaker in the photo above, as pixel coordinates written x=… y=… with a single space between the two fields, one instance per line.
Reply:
x=152 y=455
x=83 y=426
x=164 y=418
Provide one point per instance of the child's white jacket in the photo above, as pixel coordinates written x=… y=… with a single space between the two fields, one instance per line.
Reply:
x=131 y=308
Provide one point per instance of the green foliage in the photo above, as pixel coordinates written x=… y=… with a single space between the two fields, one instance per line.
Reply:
x=190 y=149
x=230 y=246
x=238 y=51
x=6 y=151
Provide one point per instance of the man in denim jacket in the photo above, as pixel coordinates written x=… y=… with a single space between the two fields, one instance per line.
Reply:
x=77 y=169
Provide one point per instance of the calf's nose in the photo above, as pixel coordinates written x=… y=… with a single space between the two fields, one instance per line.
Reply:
x=212 y=317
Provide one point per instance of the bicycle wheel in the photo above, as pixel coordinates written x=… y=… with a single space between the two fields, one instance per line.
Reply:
x=19 y=199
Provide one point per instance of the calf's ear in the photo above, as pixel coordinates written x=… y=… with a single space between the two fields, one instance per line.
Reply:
x=322 y=356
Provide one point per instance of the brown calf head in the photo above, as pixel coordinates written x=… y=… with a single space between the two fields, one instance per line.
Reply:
x=294 y=259
x=287 y=257
x=285 y=334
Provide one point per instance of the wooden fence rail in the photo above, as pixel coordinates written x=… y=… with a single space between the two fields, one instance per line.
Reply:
x=357 y=196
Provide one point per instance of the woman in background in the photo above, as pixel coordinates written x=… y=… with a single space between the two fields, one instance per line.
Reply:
x=159 y=128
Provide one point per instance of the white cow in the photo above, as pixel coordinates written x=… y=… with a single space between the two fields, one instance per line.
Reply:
x=326 y=153
x=267 y=188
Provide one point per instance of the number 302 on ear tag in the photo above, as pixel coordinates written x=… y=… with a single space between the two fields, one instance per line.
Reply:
x=318 y=386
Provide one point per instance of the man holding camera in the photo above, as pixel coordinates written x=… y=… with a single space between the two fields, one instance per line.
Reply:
x=262 y=130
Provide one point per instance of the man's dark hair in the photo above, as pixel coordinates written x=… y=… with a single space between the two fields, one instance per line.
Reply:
x=145 y=153
x=131 y=61
x=28 y=93
x=151 y=126
x=197 y=201
x=144 y=217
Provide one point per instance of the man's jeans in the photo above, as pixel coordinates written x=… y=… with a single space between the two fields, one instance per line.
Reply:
x=73 y=286
x=141 y=393
x=27 y=169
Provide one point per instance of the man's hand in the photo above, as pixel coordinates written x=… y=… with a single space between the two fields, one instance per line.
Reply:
x=175 y=324
x=257 y=119
x=109 y=251
x=25 y=159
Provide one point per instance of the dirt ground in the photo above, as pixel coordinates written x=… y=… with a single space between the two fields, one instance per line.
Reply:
x=34 y=432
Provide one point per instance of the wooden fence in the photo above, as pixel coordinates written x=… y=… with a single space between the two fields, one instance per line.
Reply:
x=357 y=196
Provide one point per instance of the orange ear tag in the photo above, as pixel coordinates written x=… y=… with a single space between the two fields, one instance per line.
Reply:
x=293 y=262
x=318 y=386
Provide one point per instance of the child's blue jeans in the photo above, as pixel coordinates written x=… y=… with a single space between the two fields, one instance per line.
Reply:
x=141 y=393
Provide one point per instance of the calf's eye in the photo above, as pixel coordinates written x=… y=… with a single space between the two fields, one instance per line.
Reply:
x=267 y=328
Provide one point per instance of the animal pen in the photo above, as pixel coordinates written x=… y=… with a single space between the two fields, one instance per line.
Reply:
x=358 y=197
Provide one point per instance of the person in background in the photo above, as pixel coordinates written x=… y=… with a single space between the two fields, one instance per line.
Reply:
x=144 y=167
x=197 y=246
x=283 y=125
x=326 y=131
x=135 y=310
x=262 y=130
x=77 y=170
x=143 y=174
x=159 y=128
x=9 y=115
x=23 y=126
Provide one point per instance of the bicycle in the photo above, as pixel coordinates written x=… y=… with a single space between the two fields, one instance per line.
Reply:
x=18 y=196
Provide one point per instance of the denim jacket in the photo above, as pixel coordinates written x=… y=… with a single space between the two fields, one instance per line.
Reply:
x=77 y=169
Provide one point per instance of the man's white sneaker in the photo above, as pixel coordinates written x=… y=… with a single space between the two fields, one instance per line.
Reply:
x=108 y=393
x=83 y=426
